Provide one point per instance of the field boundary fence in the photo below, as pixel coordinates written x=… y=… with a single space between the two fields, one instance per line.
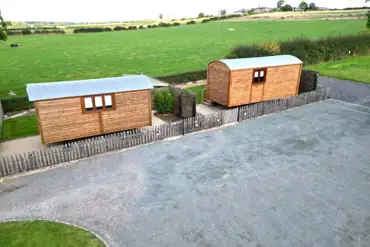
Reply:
x=23 y=162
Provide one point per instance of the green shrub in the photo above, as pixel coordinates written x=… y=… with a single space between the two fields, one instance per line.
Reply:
x=26 y=31
x=184 y=77
x=132 y=27
x=176 y=24
x=141 y=27
x=309 y=51
x=168 y=102
x=159 y=102
x=191 y=23
x=16 y=104
x=164 y=24
x=119 y=28
x=163 y=102
x=368 y=20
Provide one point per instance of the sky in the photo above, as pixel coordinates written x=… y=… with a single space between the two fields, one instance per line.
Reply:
x=118 y=10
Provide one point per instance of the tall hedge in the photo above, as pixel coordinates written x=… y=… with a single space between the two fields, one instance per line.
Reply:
x=309 y=51
x=184 y=77
x=16 y=104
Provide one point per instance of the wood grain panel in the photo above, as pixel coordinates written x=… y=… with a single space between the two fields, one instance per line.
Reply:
x=240 y=91
x=218 y=83
x=282 y=82
x=62 y=119
x=132 y=111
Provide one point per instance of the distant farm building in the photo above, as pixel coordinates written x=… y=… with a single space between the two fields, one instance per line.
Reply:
x=235 y=82
x=76 y=109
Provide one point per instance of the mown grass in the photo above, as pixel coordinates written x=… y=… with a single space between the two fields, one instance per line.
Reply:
x=199 y=91
x=351 y=68
x=19 y=127
x=39 y=233
x=150 y=51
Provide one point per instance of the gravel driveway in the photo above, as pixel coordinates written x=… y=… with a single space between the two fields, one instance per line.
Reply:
x=299 y=178
x=354 y=92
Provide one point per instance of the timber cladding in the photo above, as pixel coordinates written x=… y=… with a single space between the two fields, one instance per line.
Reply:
x=64 y=119
x=237 y=87
x=218 y=77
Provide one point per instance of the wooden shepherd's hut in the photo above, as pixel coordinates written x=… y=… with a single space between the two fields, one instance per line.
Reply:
x=75 y=109
x=235 y=82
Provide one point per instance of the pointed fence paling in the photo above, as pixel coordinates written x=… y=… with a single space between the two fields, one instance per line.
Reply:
x=23 y=162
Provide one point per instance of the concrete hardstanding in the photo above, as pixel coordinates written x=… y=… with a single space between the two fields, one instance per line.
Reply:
x=297 y=178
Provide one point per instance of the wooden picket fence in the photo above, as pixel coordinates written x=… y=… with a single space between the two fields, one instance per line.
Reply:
x=24 y=162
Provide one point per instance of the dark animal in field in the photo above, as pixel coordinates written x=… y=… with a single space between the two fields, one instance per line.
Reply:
x=13 y=45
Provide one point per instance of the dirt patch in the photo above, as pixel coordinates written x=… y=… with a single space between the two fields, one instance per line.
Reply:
x=168 y=118
x=191 y=84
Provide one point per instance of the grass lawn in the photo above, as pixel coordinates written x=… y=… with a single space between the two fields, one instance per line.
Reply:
x=198 y=90
x=19 y=127
x=352 y=68
x=46 y=234
x=151 y=51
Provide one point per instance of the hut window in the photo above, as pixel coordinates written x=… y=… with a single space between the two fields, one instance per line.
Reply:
x=98 y=102
x=88 y=104
x=259 y=75
x=108 y=101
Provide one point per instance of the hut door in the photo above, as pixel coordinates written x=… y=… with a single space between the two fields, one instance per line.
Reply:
x=258 y=83
x=257 y=92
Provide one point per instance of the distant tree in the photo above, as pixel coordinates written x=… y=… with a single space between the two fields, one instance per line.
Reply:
x=160 y=16
x=223 y=12
x=280 y=4
x=3 y=28
x=303 y=6
x=201 y=15
x=312 y=6
x=287 y=7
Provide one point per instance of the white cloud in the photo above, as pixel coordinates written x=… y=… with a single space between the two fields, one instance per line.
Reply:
x=108 y=10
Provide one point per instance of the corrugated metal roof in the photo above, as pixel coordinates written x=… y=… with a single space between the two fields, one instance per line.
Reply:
x=260 y=62
x=63 y=89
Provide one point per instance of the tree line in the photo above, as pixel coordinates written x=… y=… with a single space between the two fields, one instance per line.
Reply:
x=303 y=6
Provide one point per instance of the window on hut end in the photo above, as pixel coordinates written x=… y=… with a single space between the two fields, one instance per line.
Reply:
x=259 y=75
x=98 y=102
x=108 y=101
x=88 y=104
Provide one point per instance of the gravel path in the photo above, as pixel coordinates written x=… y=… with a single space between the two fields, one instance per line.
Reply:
x=354 y=92
x=303 y=179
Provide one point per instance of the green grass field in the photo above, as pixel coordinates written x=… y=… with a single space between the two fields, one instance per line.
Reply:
x=151 y=51
x=19 y=127
x=46 y=234
x=352 y=68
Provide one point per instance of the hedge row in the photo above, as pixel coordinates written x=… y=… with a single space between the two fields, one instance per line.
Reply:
x=216 y=18
x=161 y=24
x=29 y=31
x=309 y=51
x=16 y=104
x=184 y=77
x=92 y=30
